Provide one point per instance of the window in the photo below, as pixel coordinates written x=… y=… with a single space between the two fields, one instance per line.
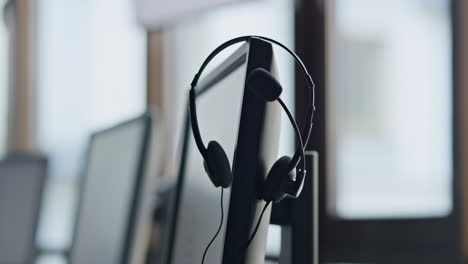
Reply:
x=385 y=92
x=389 y=108
x=92 y=74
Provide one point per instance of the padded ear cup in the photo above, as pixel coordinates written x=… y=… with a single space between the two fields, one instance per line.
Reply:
x=217 y=165
x=278 y=176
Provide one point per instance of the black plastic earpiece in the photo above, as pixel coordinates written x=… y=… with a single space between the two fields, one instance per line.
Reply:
x=277 y=180
x=217 y=165
x=264 y=85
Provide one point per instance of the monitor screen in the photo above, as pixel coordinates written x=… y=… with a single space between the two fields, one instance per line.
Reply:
x=218 y=111
x=232 y=115
x=111 y=182
x=21 y=186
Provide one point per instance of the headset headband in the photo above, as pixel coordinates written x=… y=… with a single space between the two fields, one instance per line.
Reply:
x=301 y=144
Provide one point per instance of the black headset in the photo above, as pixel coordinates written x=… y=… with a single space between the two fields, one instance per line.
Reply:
x=286 y=176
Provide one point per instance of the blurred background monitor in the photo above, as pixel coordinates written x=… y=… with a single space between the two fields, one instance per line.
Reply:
x=21 y=186
x=114 y=209
x=250 y=150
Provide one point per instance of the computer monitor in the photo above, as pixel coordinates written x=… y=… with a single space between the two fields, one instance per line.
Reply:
x=115 y=207
x=248 y=129
x=21 y=185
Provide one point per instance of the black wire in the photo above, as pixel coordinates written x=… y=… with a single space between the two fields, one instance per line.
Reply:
x=219 y=228
x=252 y=236
x=299 y=142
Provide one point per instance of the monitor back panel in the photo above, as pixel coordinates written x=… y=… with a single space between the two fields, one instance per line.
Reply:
x=21 y=185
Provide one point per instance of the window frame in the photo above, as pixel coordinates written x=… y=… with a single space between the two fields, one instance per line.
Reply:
x=419 y=240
